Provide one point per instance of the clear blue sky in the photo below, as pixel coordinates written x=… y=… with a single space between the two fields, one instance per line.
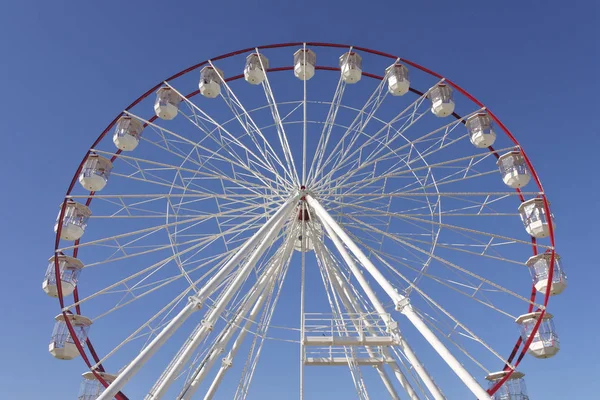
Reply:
x=69 y=67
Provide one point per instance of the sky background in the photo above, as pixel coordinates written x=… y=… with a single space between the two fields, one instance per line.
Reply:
x=69 y=67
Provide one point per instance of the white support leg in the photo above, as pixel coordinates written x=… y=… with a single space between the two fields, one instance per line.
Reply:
x=362 y=258
x=216 y=280
x=391 y=325
x=345 y=292
x=257 y=298
x=228 y=360
x=134 y=366
x=351 y=358
x=194 y=304
x=402 y=303
x=164 y=382
x=339 y=284
x=386 y=381
x=303 y=243
x=347 y=296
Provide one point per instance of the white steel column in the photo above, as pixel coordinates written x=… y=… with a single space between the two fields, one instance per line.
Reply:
x=386 y=381
x=303 y=243
x=343 y=293
x=391 y=325
x=351 y=360
x=257 y=298
x=194 y=304
x=362 y=258
x=228 y=360
x=216 y=280
x=347 y=296
x=401 y=302
x=165 y=381
x=134 y=366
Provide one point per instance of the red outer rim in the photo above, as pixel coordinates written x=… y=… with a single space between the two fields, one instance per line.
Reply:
x=535 y=176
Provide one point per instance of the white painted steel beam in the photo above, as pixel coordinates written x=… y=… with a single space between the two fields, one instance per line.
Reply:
x=350 y=341
x=392 y=325
x=187 y=350
x=352 y=305
x=227 y=361
x=343 y=293
x=194 y=304
x=134 y=366
x=256 y=301
x=343 y=361
x=401 y=302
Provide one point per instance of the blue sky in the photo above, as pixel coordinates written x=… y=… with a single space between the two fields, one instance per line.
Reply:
x=70 y=67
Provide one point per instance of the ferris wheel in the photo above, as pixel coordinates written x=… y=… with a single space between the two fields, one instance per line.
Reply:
x=284 y=214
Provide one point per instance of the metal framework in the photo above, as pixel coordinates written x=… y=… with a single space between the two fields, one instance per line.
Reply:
x=408 y=226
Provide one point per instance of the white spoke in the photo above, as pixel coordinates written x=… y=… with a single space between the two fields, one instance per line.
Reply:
x=285 y=146
x=327 y=128
x=247 y=122
x=455 y=266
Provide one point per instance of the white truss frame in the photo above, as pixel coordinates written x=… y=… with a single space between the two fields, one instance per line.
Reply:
x=389 y=191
